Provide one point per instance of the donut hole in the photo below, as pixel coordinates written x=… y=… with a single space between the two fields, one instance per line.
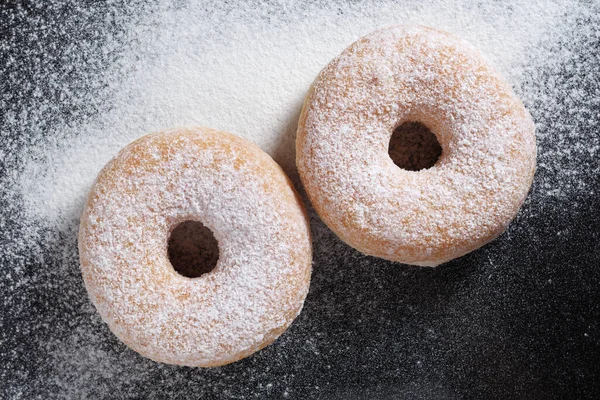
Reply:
x=193 y=250
x=414 y=147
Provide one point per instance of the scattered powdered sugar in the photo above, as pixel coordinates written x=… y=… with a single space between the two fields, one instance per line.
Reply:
x=243 y=70
x=80 y=80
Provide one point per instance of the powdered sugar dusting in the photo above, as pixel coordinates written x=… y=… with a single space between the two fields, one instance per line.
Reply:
x=402 y=74
x=260 y=281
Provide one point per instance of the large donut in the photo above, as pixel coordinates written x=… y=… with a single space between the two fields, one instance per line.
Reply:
x=412 y=73
x=236 y=190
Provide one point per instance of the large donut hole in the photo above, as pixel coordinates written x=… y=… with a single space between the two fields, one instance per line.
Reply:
x=414 y=147
x=192 y=249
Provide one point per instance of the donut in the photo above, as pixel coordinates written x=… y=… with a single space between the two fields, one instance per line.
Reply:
x=167 y=182
x=413 y=74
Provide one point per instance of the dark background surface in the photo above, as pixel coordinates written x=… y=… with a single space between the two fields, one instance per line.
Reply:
x=519 y=318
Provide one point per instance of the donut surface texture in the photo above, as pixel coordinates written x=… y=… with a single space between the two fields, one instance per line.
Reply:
x=237 y=191
x=414 y=74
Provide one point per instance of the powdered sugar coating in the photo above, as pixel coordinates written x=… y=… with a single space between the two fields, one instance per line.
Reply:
x=235 y=189
x=413 y=73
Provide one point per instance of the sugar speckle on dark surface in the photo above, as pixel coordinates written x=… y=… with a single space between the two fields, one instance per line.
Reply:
x=518 y=318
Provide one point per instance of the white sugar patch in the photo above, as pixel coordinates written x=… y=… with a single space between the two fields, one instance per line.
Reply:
x=245 y=71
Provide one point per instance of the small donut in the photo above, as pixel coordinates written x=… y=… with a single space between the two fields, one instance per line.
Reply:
x=407 y=74
x=238 y=192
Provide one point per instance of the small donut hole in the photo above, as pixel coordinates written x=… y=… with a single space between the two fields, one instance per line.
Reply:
x=414 y=147
x=192 y=249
